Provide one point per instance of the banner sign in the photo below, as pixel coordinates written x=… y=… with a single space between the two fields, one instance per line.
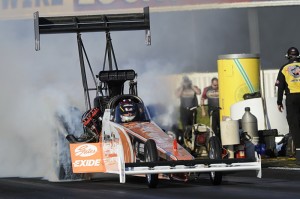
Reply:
x=80 y=5
x=22 y=9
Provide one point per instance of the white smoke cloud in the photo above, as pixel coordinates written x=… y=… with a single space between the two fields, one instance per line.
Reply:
x=35 y=86
x=28 y=132
x=38 y=86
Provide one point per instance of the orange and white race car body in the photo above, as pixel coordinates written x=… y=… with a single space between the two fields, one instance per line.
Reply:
x=116 y=152
x=103 y=156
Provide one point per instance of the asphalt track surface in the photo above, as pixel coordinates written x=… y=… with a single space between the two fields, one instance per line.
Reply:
x=276 y=183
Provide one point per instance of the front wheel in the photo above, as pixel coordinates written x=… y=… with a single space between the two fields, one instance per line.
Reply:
x=151 y=155
x=215 y=152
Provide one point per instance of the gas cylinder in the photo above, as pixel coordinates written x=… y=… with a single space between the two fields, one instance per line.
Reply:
x=249 y=124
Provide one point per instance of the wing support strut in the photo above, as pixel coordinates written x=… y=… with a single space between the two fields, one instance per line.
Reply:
x=94 y=23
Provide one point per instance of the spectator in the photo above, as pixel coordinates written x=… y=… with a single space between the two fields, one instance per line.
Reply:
x=187 y=93
x=211 y=94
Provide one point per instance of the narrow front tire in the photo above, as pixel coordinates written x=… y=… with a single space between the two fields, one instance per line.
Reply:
x=151 y=155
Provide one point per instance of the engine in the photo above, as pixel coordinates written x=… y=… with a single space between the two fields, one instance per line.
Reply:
x=91 y=120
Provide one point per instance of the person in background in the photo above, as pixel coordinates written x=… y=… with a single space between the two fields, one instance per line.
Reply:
x=288 y=82
x=211 y=94
x=187 y=93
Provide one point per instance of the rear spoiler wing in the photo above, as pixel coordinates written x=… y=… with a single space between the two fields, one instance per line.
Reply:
x=91 y=23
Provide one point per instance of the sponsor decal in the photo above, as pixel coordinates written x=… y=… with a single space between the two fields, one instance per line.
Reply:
x=294 y=70
x=85 y=150
x=87 y=158
x=87 y=163
x=212 y=94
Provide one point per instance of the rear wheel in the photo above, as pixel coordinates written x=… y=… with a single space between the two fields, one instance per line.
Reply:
x=215 y=152
x=151 y=155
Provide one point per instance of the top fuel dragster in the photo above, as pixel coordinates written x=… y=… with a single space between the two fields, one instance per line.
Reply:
x=118 y=134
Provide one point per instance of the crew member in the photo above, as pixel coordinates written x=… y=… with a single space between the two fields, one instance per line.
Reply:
x=187 y=93
x=211 y=93
x=288 y=82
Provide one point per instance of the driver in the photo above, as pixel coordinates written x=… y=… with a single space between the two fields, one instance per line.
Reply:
x=128 y=110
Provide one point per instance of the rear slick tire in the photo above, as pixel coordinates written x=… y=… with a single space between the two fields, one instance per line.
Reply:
x=151 y=155
x=215 y=152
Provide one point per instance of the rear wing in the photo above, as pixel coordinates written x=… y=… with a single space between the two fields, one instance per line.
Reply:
x=91 y=23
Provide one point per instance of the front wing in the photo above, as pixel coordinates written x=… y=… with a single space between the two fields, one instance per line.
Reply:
x=189 y=166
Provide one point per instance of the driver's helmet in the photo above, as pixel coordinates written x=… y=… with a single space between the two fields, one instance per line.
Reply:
x=128 y=110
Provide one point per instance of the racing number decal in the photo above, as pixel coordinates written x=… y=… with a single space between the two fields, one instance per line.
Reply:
x=87 y=157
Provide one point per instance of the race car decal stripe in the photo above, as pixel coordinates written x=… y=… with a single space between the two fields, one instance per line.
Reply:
x=165 y=153
x=127 y=148
x=129 y=131
x=138 y=136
